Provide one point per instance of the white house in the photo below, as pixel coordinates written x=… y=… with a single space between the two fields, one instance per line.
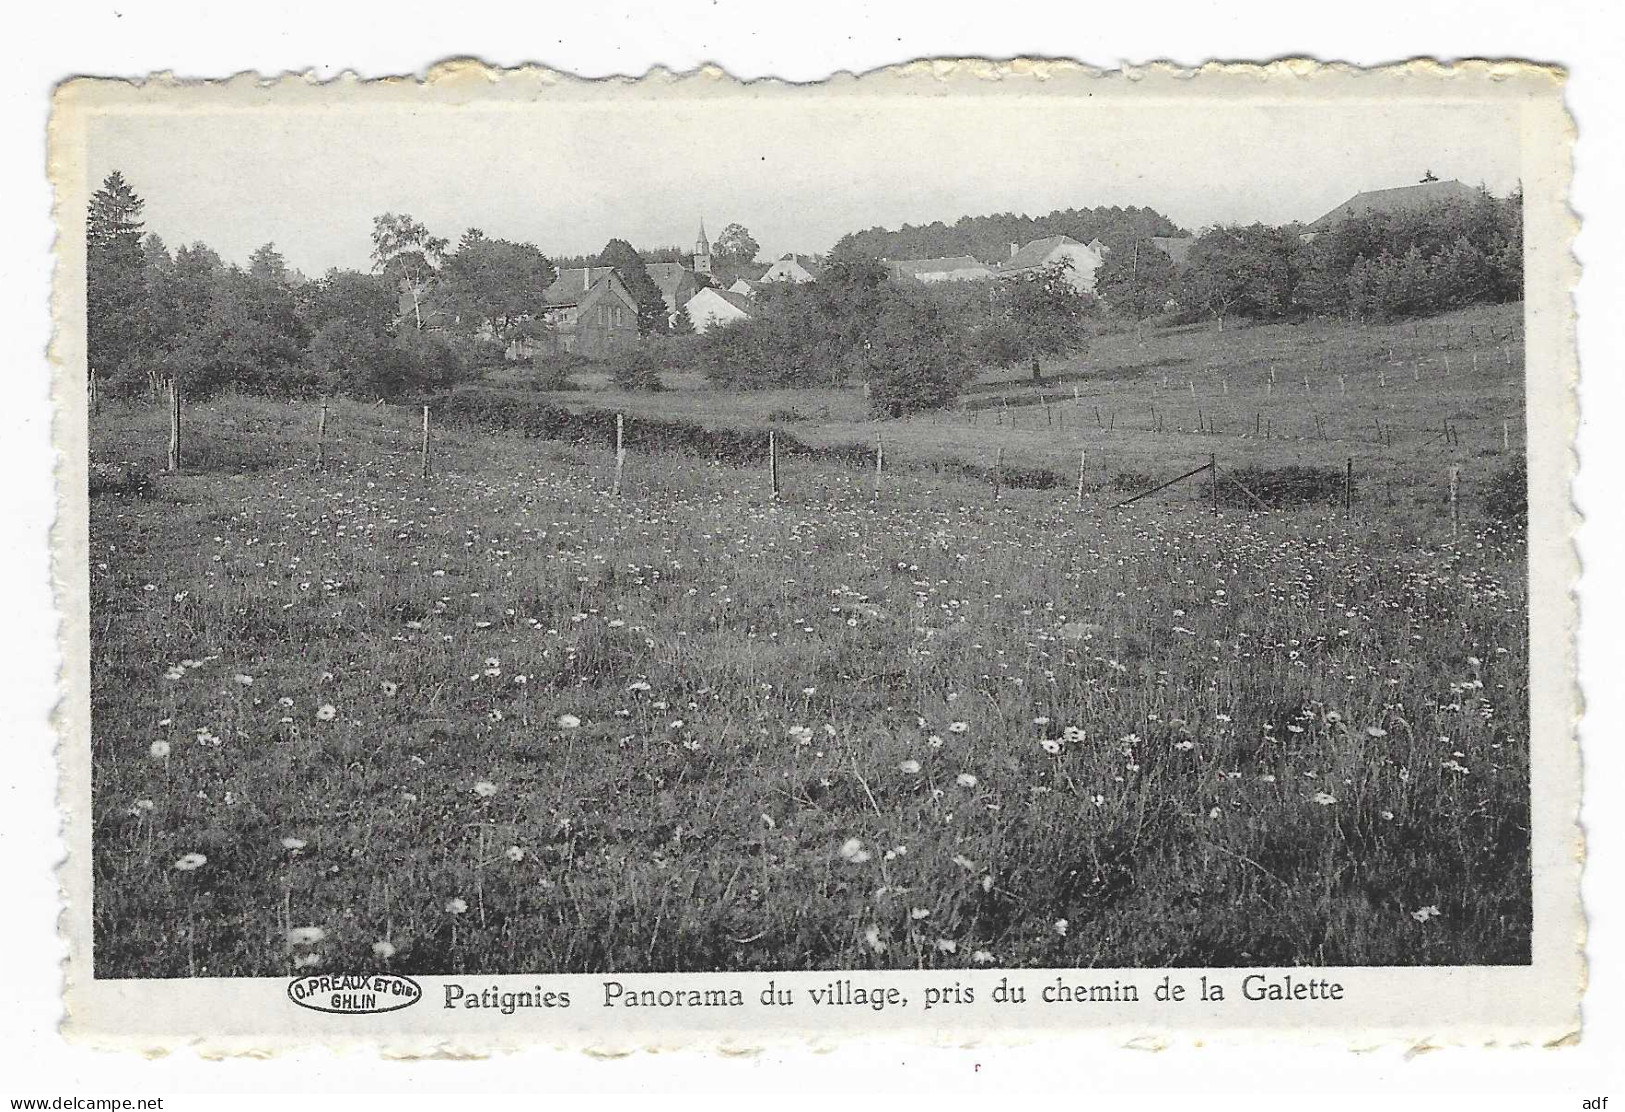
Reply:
x=745 y=286
x=713 y=306
x=958 y=268
x=1083 y=260
x=792 y=268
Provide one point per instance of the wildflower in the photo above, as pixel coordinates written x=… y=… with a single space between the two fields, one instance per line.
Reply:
x=1376 y=731
x=1051 y=746
x=244 y=680
x=514 y=854
x=293 y=844
x=934 y=741
x=871 y=935
x=493 y=715
x=190 y=861
x=484 y=789
x=1215 y=813
x=1073 y=733
x=568 y=721
x=964 y=862
x=326 y=712
x=1041 y=721
x=958 y=727
x=947 y=945
x=1423 y=914
x=285 y=701
x=159 y=749
x=306 y=936
x=1388 y=815
x=1098 y=800
x=965 y=780
x=456 y=905
x=920 y=913
x=982 y=957
x=1061 y=927
x=390 y=688
x=383 y=949
x=910 y=766
x=307 y=961
x=852 y=850
x=638 y=685
x=1324 y=799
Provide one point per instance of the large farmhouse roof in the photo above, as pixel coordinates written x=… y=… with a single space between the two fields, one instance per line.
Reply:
x=1038 y=252
x=1404 y=198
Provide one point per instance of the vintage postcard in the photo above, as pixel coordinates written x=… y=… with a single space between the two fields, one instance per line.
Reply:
x=965 y=552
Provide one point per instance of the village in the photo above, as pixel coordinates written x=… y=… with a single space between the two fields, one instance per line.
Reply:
x=591 y=312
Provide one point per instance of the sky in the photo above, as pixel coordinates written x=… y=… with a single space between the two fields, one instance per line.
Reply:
x=797 y=172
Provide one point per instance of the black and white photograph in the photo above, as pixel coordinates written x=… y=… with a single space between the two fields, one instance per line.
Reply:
x=699 y=528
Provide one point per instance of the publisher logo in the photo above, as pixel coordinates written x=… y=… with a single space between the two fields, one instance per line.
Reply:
x=354 y=993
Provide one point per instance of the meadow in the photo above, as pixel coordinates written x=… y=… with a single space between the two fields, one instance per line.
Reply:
x=501 y=720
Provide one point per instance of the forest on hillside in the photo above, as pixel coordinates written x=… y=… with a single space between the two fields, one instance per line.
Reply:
x=988 y=238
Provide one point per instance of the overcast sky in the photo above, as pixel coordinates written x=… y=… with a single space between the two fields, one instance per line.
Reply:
x=798 y=175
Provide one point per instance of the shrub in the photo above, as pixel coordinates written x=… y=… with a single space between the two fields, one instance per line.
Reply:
x=120 y=478
x=637 y=367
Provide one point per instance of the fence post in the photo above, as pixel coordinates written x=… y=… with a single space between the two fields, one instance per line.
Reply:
x=1213 y=478
x=424 y=447
x=620 y=451
x=174 y=425
x=1083 y=459
x=998 y=471
x=95 y=400
x=880 y=461
x=1455 y=512
x=321 y=437
x=773 y=462
x=1506 y=435
x=1348 y=485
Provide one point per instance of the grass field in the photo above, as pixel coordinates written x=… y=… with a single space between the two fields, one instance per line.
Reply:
x=500 y=721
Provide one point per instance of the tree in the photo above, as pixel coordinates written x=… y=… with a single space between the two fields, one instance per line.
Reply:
x=494 y=284
x=634 y=274
x=1246 y=271
x=115 y=277
x=1137 y=283
x=406 y=252
x=268 y=265
x=736 y=246
x=1040 y=313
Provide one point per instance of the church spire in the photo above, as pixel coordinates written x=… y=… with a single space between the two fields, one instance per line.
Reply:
x=702 y=251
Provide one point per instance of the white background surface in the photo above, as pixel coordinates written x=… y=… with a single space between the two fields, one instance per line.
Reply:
x=47 y=42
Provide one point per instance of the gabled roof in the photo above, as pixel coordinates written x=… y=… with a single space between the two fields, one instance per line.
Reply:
x=916 y=267
x=1404 y=198
x=668 y=277
x=1037 y=252
x=572 y=284
x=609 y=283
x=737 y=300
x=806 y=263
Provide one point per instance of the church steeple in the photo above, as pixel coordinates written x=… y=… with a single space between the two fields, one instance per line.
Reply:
x=702 y=251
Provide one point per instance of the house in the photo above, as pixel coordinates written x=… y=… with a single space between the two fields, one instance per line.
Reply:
x=593 y=322
x=746 y=286
x=1401 y=199
x=793 y=268
x=1082 y=260
x=959 y=268
x=1177 y=248
x=711 y=306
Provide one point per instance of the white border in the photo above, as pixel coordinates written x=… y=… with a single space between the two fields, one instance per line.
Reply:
x=136 y=42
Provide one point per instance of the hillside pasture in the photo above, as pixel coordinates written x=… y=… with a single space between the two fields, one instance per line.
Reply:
x=499 y=720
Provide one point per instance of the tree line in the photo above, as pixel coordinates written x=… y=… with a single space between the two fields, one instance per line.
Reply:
x=988 y=238
x=426 y=315
x=1377 y=266
x=914 y=347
